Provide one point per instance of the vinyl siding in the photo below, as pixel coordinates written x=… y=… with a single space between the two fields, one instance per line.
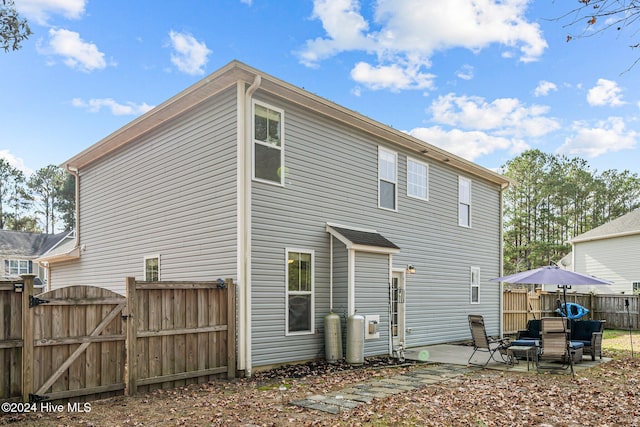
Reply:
x=613 y=259
x=171 y=192
x=372 y=296
x=332 y=176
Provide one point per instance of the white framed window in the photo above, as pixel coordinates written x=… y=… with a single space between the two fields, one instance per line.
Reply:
x=417 y=179
x=152 y=268
x=300 y=291
x=387 y=179
x=474 y=284
x=636 y=288
x=464 y=202
x=16 y=267
x=268 y=144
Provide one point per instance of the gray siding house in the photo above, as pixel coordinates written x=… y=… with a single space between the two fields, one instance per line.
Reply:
x=19 y=251
x=308 y=206
x=611 y=252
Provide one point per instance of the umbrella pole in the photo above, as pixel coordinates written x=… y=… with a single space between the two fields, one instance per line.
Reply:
x=566 y=313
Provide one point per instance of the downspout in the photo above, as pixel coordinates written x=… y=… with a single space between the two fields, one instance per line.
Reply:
x=76 y=174
x=501 y=262
x=246 y=241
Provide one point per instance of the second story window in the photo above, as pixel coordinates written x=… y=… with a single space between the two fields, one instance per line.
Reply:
x=268 y=144
x=417 y=179
x=464 y=202
x=16 y=267
x=387 y=179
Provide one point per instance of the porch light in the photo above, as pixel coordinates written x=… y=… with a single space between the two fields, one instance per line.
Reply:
x=411 y=269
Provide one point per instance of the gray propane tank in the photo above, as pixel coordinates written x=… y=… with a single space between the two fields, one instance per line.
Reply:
x=332 y=337
x=355 y=339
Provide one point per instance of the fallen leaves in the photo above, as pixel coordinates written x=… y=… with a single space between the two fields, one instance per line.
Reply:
x=607 y=395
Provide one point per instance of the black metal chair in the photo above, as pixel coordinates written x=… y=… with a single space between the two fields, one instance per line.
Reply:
x=481 y=342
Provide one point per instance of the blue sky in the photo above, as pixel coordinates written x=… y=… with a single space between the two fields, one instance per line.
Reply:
x=484 y=81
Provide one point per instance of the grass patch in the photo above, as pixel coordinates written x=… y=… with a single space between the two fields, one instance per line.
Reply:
x=618 y=342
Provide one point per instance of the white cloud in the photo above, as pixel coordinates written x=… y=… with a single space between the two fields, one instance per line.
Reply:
x=407 y=33
x=465 y=72
x=76 y=53
x=503 y=116
x=392 y=77
x=469 y=145
x=16 y=162
x=605 y=136
x=247 y=2
x=95 y=105
x=39 y=11
x=343 y=24
x=605 y=92
x=544 y=87
x=190 y=55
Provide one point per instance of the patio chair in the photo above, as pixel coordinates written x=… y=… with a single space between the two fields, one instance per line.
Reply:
x=481 y=342
x=554 y=345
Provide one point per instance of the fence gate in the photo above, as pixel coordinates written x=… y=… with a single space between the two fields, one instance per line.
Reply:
x=10 y=341
x=78 y=344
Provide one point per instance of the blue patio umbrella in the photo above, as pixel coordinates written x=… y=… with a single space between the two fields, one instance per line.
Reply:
x=552 y=275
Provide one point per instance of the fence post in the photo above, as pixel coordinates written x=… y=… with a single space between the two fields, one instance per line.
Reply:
x=27 y=338
x=131 y=339
x=231 y=328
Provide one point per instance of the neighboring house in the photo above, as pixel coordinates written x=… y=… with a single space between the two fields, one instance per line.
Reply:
x=19 y=251
x=611 y=252
x=305 y=204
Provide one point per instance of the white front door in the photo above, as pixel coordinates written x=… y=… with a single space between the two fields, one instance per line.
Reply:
x=397 y=296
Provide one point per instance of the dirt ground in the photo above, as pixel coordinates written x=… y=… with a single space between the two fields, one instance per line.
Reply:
x=607 y=395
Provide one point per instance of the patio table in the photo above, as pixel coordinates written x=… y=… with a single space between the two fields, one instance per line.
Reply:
x=517 y=350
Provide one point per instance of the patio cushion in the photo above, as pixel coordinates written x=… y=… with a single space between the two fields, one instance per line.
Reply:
x=583 y=329
x=576 y=344
x=525 y=343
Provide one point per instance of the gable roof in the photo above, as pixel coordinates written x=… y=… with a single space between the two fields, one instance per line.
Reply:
x=625 y=225
x=19 y=243
x=235 y=72
x=363 y=240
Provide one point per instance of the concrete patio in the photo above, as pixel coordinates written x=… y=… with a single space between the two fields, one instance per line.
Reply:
x=458 y=354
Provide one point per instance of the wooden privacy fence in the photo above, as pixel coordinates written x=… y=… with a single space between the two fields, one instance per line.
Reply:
x=87 y=342
x=620 y=311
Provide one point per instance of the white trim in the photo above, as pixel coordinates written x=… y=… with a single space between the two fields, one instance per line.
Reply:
x=426 y=166
x=144 y=265
x=255 y=141
x=460 y=180
x=403 y=273
x=311 y=330
x=395 y=182
x=474 y=282
x=351 y=282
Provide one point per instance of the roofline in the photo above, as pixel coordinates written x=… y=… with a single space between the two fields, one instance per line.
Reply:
x=605 y=236
x=237 y=71
x=71 y=255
